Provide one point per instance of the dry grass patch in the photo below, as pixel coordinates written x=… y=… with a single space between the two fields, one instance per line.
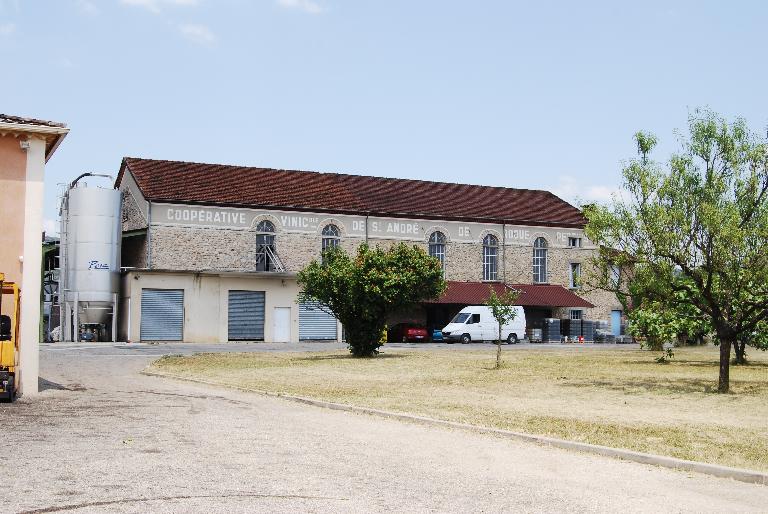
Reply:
x=619 y=398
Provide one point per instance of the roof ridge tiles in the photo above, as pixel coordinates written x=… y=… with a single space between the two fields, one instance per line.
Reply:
x=21 y=120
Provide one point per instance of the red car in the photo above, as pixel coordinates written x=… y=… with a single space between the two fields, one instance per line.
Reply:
x=407 y=332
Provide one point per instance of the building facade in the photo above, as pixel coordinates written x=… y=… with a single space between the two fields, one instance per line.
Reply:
x=210 y=245
x=25 y=146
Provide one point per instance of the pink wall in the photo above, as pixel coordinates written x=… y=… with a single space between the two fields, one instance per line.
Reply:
x=13 y=166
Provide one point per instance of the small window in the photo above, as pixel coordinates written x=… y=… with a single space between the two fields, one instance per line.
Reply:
x=574 y=242
x=490 y=257
x=475 y=318
x=265 y=226
x=575 y=275
x=576 y=314
x=331 y=237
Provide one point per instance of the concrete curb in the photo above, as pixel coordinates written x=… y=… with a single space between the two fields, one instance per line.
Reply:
x=741 y=475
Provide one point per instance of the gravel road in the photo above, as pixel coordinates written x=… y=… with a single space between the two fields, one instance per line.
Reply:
x=104 y=438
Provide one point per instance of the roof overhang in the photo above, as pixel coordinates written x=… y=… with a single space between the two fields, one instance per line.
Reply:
x=53 y=136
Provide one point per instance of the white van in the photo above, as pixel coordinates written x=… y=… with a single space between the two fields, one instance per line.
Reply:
x=476 y=323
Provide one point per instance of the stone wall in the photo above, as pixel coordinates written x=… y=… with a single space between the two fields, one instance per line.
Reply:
x=185 y=248
x=207 y=248
x=191 y=248
x=133 y=218
x=463 y=262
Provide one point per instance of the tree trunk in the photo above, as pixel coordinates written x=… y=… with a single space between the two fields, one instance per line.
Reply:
x=498 y=350
x=363 y=338
x=725 y=363
x=740 y=348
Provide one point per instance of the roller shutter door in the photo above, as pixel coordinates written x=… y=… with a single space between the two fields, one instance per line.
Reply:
x=246 y=315
x=162 y=314
x=314 y=323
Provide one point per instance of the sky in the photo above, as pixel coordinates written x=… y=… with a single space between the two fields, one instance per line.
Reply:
x=537 y=95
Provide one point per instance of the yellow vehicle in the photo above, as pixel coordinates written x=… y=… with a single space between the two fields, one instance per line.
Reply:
x=9 y=338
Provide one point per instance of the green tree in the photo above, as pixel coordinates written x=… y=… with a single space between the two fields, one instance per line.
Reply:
x=362 y=291
x=656 y=324
x=503 y=310
x=694 y=231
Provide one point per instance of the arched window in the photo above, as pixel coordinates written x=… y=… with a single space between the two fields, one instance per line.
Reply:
x=265 y=246
x=540 y=260
x=437 y=247
x=490 y=257
x=331 y=236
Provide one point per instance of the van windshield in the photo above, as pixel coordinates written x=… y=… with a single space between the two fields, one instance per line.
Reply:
x=460 y=317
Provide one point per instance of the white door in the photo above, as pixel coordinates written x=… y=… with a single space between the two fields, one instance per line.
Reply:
x=281 y=325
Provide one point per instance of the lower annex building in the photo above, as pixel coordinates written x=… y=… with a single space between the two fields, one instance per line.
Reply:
x=211 y=252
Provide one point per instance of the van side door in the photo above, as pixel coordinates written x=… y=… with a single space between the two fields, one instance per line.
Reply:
x=475 y=328
x=485 y=327
x=490 y=327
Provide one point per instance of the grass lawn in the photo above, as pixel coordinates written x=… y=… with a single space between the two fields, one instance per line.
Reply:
x=619 y=398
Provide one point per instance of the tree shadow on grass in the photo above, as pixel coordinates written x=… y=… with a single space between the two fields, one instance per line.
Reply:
x=351 y=357
x=716 y=364
x=680 y=385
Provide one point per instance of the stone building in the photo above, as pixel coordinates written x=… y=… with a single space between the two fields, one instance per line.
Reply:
x=212 y=251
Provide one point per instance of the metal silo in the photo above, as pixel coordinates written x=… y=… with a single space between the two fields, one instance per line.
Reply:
x=90 y=260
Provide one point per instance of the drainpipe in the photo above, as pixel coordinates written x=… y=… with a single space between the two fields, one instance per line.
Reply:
x=366 y=228
x=149 y=235
x=504 y=251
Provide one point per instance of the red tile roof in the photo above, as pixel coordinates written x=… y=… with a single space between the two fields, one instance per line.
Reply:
x=217 y=184
x=531 y=295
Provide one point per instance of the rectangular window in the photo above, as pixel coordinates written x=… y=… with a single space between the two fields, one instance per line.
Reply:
x=490 y=263
x=615 y=275
x=576 y=314
x=438 y=251
x=329 y=242
x=575 y=275
x=540 y=265
x=574 y=242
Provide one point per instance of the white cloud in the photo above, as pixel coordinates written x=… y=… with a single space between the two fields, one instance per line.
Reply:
x=307 y=6
x=156 y=6
x=572 y=190
x=197 y=33
x=6 y=29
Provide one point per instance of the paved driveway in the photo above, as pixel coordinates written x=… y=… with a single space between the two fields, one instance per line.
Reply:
x=103 y=438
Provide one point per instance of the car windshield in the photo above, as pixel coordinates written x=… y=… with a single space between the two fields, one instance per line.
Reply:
x=460 y=317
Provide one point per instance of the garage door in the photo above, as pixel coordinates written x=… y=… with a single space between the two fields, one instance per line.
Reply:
x=162 y=314
x=314 y=323
x=246 y=315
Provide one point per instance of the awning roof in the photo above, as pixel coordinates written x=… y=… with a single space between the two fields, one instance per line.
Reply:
x=531 y=295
